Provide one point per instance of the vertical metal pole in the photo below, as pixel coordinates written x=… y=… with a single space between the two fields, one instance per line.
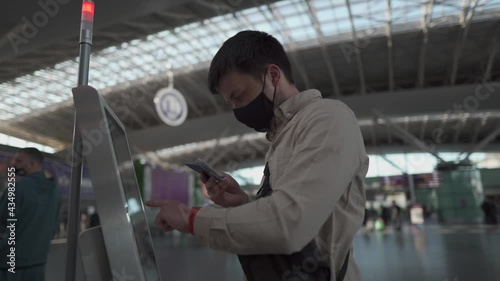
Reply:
x=77 y=149
x=74 y=204
x=411 y=181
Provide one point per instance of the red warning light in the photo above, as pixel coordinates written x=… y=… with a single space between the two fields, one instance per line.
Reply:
x=88 y=7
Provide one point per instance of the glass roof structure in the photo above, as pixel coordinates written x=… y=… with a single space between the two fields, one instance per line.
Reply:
x=296 y=23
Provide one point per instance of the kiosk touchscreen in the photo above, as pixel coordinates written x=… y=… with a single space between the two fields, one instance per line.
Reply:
x=125 y=230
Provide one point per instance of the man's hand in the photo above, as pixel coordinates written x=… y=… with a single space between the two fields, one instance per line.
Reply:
x=226 y=193
x=172 y=215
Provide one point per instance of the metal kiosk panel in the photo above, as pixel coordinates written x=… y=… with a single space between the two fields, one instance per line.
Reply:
x=125 y=230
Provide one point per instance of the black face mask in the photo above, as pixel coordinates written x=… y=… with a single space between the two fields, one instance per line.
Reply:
x=258 y=113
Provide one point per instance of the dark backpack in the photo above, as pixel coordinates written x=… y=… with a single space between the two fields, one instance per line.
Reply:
x=300 y=266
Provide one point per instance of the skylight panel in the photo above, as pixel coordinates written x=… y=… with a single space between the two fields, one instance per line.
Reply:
x=253 y=16
x=265 y=26
x=447 y=8
x=12 y=141
x=359 y=8
x=322 y=4
x=325 y=15
x=197 y=42
x=492 y=4
x=6 y=116
x=297 y=21
x=361 y=23
x=304 y=33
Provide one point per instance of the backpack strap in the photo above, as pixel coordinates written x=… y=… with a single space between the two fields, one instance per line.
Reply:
x=343 y=270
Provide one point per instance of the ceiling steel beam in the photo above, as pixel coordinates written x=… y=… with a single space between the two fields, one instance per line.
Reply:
x=426 y=21
x=492 y=54
x=475 y=135
x=373 y=134
x=383 y=156
x=292 y=45
x=389 y=133
x=359 y=62
x=388 y=28
x=466 y=19
x=324 y=52
x=423 y=128
x=407 y=136
x=459 y=126
x=488 y=139
x=407 y=123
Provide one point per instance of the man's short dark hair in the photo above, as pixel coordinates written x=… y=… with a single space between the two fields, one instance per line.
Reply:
x=33 y=154
x=248 y=52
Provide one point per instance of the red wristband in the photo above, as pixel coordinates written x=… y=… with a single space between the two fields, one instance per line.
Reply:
x=192 y=214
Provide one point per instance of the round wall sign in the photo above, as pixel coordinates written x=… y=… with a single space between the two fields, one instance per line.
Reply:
x=171 y=106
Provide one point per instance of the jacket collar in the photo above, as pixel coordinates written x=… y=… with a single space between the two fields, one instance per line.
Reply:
x=287 y=110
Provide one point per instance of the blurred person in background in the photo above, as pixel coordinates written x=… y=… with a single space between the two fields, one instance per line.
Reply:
x=37 y=206
x=4 y=165
x=94 y=217
x=396 y=215
x=490 y=211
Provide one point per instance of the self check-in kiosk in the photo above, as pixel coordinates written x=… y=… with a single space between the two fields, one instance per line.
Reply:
x=121 y=248
x=125 y=231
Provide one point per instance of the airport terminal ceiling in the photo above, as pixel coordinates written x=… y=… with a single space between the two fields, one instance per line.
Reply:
x=422 y=64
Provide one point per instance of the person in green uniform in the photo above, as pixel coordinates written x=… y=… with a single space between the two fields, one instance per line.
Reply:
x=28 y=225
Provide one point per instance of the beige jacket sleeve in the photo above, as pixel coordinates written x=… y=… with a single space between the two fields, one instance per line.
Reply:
x=325 y=158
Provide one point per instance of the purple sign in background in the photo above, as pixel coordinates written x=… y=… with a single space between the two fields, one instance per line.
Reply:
x=62 y=173
x=169 y=184
x=399 y=181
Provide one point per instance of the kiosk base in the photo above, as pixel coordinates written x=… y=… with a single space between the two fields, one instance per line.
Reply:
x=93 y=254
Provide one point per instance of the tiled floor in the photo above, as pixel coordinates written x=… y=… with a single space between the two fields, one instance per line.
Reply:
x=455 y=253
x=451 y=253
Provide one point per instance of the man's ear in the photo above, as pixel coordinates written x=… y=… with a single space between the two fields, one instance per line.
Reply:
x=275 y=73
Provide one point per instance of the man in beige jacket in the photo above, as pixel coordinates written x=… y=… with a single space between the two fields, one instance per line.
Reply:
x=312 y=200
